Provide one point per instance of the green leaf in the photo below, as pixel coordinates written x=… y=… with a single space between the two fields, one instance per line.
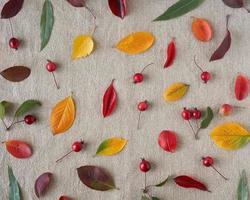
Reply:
x=206 y=121
x=26 y=106
x=144 y=197
x=178 y=9
x=155 y=198
x=3 y=105
x=162 y=183
x=242 y=191
x=14 y=191
x=46 y=23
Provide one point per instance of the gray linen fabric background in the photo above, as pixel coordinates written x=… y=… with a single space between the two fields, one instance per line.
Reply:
x=88 y=78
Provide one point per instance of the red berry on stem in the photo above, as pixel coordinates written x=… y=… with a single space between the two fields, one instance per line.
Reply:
x=138 y=77
x=51 y=67
x=205 y=76
x=29 y=119
x=144 y=165
x=142 y=106
x=14 y=43
x=225 y=110
x=196 y=114
x=186 y=114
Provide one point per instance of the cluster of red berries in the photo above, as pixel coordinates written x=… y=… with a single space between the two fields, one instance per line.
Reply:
x=188 y=114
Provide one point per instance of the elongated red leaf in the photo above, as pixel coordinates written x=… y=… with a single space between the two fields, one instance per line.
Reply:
x=95 y=178
x=234 y=3
x=77 y=3
x=42 y=183
x=224 y=46
x=11 y=8
x=64 y=198
x=167 y=141
x=118 y=7
x=188 y=182
x=170 y=54
x=16 y=73
x=241 y=87
x=109 y=100
x=18 y=149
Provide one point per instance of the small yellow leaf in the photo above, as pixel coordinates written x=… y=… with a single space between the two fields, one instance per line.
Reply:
x=175 y=91
x=135 y=43
x=230 y=136
x=111 y=146
x=82 y=46
x=62 y=116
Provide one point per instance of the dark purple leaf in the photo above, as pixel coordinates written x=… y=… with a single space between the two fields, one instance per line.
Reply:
x=95 y=178
x=42 y=183
x=234 y=3
x=77 y=3
x=118 y=7
x=11 y=8
x=16 y=73
x=224 y=46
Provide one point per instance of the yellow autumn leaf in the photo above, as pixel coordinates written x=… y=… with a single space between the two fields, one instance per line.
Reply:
x=111 y=146
x=230 y=136
x=175 y=91
x=82 y=46
x=62 y=116
x=135 y=43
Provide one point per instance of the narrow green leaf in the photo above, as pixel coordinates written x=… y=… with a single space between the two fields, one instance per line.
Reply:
x=242 y=190
x=178 y=9
x=209 y=116
x=162 y=183
x=27 y=106
x=155 y=198
x=144 y=197
x=46 y=23
x=3 y=105
x=14 y=191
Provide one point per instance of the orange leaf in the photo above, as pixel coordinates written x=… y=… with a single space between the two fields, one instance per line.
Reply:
x=62 y=116
x=18 y=149
x=202 y=29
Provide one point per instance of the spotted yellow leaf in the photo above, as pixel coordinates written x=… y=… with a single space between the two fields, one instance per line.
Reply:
x=230 y=136
x=82 y=46
x=175 y=91
x=62 y=116
x=136 y=42
x=111 y=146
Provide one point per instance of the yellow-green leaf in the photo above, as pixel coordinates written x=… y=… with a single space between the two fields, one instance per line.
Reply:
x=82 y=46
x=111 y=146
x=175 y=91
x=135 y=43
x=230 y=136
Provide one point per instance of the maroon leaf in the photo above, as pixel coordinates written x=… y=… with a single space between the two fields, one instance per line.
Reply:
x=188 y=182
x=16 y=73
x=95 y=178
x=234 y=3
x=241 y=87
x=224 y=46
x=109 y=100
x=42 y=183
x=77 y=3
x=167 y=141
x=64 y=198
x=118 y=7
x=11 y=8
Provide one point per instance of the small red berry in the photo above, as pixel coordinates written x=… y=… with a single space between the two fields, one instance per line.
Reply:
x=77 y=146
x=29 y=119
x=144 y=165
x=186 y=114
x=50 y=66
x=226 y=110
x=14 y=43
x=205 y=76
x=196 y=114
x=138 y=77
x=142 y=106
x=207 y=161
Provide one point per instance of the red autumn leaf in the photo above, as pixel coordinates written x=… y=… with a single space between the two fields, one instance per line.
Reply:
x=64 y=198
x=188 y=182
x=241 y=87
x=224 y=46
x=109 y=100
x=77 y=3
x=18 y=149
x=42 y=183
x=170 y=54
x=11 y=8
x=167 y=141
x=118 y=7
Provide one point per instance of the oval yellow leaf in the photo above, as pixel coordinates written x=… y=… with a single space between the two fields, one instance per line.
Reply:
x=135 y=43
x=230 y=136
x=82 y=46
x=111 y=146
x=62 y=116
x=175 y=91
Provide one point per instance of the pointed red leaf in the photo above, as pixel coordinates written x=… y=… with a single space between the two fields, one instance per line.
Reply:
x=18 y=149
x=224 y=46
x=42 y=183
x=170 y=54
x=109 y=100
x=234 y=3
x=11 y=8
x=118 y=7
x=241 y=87
x=64 y=198
x=167 y=141
x=77 y=3
x=188 y=182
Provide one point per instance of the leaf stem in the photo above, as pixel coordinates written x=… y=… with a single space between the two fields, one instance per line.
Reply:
x=4 y=124
x=64 y=156
x=198 y=66
x=13 y=123
x=90 y=11
x=12 y=34
x=220 y=173
x=227 y=20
